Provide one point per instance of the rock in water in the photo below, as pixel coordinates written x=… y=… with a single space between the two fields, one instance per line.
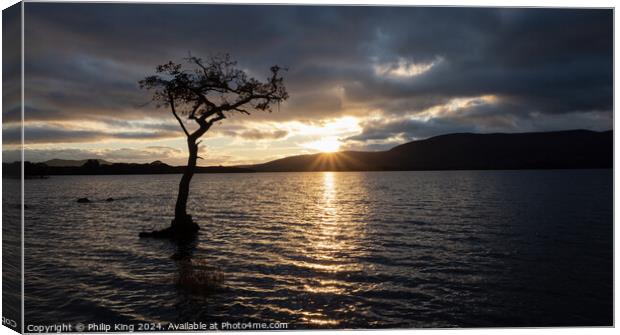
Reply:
x=109 y=199
x=83 y=200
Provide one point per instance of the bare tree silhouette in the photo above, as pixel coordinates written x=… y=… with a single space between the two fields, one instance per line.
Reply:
x=206 y=93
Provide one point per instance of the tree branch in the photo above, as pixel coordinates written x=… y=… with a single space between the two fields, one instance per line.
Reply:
x=241 y=110
x=220 y=116
x=174 y=112
x=192 y=114
x=203 y=128
x=212 y=90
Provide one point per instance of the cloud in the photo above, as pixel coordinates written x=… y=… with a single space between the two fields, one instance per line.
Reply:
x=169 y=155
x=141 y=155
x=250 y=131
x=255 y=134
x=54 y=134
x=404 y=68
x=83 y=62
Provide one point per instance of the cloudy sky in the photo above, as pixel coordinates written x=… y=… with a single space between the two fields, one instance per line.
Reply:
x=360 y=78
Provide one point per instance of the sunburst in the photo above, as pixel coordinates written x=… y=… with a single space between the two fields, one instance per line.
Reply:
x=327 y=144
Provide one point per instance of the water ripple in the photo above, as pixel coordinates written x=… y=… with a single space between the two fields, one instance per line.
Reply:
x=325 y=250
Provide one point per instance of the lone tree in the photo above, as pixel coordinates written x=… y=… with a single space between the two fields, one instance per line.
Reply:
x=204 y=93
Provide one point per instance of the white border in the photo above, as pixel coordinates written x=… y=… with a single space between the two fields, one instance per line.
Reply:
x=481 y=3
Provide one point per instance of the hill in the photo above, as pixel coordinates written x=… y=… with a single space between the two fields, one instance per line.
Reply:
x=466 y=151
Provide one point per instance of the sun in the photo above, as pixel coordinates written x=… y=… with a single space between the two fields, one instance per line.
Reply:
x=328 y=144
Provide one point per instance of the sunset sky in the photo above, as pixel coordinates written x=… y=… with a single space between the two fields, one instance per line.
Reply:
x=359 y=78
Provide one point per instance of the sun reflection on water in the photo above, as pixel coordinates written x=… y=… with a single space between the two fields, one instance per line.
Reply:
x=331 y=235
x=329 y=224
x=329 y=186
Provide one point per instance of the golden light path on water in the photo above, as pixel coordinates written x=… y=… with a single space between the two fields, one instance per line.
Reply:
x=329 y=246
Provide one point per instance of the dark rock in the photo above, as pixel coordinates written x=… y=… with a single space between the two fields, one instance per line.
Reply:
x=109 y=199
x=83 y=200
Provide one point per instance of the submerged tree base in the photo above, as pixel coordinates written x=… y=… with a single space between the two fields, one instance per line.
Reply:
x=178 y=229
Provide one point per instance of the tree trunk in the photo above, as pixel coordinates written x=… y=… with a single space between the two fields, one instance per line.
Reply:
x=181 y=218
x=182 y=225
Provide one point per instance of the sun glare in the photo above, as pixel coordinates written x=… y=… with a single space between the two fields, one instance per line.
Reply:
x=329 y=144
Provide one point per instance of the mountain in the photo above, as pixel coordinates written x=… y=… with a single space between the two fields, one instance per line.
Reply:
x=466 y=151
x=70 y=162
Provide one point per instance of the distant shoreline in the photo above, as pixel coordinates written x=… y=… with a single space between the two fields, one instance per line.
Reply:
x=31 y=177
x=12 y=176
x=570 y=149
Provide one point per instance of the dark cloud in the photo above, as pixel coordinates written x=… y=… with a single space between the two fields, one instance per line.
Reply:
x=249 y=133
x=11 y=70
x=53 y=134
x=255 y=134
x=83 y=61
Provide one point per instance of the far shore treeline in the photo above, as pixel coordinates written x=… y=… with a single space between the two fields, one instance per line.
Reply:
x=571 y=149
x=93 y=167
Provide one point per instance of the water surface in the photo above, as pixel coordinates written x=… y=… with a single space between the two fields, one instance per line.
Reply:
x=333 y=249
